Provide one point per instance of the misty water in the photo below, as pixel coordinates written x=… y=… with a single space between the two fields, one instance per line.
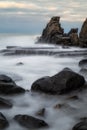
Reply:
x=33 y=68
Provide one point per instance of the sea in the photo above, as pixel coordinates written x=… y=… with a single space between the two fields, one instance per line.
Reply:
x=34 y=67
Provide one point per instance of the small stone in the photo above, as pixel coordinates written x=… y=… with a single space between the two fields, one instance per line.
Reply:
x=41 y=112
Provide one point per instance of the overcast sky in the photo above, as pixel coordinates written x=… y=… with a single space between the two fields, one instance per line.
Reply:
x=30 y=16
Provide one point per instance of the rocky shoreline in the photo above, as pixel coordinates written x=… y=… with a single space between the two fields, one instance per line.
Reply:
x=54 y=34
x=63 y=83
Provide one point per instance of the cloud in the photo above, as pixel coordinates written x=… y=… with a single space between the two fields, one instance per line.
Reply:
x=37 y=12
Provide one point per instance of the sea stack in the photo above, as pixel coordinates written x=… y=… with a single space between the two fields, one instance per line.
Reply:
x=83 y=34
x=54 y=33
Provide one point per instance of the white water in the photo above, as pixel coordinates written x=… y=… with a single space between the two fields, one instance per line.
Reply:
x=36 y=67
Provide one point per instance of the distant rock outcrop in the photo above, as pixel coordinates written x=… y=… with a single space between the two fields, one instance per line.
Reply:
x=83 y=34
x=54 y=33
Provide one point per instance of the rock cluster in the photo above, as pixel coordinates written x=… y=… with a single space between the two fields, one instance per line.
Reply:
x=54 y=33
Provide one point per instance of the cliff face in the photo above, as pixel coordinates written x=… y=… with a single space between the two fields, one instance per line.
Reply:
x=54 y=33
x=83 y=34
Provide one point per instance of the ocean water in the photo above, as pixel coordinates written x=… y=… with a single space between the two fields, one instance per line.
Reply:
x=34 y=67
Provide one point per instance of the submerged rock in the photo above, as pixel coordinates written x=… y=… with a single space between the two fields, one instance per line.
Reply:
x=4 y=103
x=8 y=86
x=64 y=82
x=41 y=112
x=80 y=126
x=3 y=122
x=30 y=122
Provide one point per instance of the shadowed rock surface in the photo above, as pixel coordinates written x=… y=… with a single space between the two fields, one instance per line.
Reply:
x=83 y=34
x=8 y=86
x=30 y=122
x=81 y=126
x=3 y=122
x=5 y=103
x=64 y=82
x=83 y=63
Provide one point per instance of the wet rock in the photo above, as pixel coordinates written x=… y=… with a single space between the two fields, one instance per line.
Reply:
x=41 y=112
x=83 y=63
x=64 y=82
x=80 y=126
x=3 y=122
x=30 y=122
x=19 y=63
x=83 y=34
x=73 y=97
x=4 y=103
x=58 y=106
x=15 y=90
x=8 y=86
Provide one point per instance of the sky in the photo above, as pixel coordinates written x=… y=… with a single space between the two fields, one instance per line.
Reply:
x=31 y=16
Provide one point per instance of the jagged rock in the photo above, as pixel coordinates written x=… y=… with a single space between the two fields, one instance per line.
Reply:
x=64 y=82
x=3 y=122
x=4 y=103
x=8 y=86
x=80 y=126
x=73 y=34
x=52 y=30
x=83 y=34
x=30 y=122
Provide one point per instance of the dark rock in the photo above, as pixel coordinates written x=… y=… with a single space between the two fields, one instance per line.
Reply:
x=73 y=30
x=30 y=122
x=15 y=90
x=8 y=86
x=19 y=63
x=4 y=103
x=80 y=126
x=83 y=34
x=58 y=106
x=83 y=71
x=83 y=63
x=41 y=112
x=73 y=97
x=64 y=82
x=3 y=122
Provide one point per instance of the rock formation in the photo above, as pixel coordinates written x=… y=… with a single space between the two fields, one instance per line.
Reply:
x=83 y=34
x=54 y=33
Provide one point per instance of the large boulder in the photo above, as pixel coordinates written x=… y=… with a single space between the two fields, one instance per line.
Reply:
x=64 y=82
x=30 y=122
x=83 y=34
x=52 y=31
x=4 y=103
x=3 y=122
x=8 y=86
x=80 y=126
